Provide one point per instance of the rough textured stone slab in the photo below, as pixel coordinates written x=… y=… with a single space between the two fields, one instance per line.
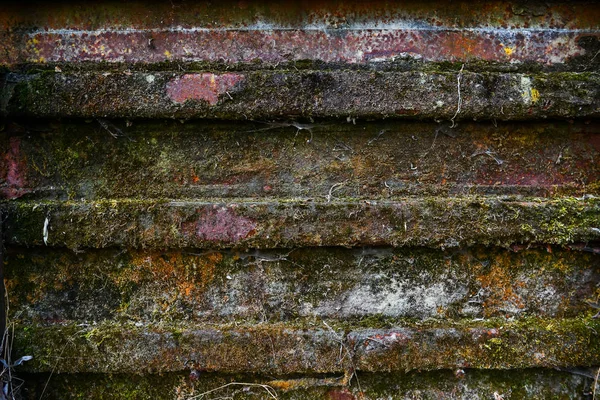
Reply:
x=432 y=222
x=287 y=349
x=59 y=286
x=288 y=94
x=375 y=160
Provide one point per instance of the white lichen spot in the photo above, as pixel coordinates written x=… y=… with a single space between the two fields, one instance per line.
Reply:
x=529 y=94
x=150 y=78
x=526 y=89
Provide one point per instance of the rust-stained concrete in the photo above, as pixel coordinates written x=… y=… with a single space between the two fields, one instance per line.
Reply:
x=330 y=32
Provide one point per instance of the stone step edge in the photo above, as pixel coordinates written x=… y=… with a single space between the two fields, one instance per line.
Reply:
x=578 y=64
x=326 y=347
x=320 y=94
x=432 y=222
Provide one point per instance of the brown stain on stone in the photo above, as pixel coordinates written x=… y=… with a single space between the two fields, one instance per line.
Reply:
x=206 y=87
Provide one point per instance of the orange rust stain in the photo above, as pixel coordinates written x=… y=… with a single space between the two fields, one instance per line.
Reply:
x=206 y=87
x=499 y=282
x=283 y=385
x=460 y=45
x=189 y=275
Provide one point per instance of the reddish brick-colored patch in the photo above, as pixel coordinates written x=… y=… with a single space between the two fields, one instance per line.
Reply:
x=13 y=171
x=221 y=224
x=202 y=87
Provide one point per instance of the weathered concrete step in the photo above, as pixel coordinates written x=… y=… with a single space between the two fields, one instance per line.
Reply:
x=343 y=32
x=60 y=286
x=472 y=385
x=321 y=348
x=167 y=159
x=284 y=94
x=246 y=46
x=288 y=223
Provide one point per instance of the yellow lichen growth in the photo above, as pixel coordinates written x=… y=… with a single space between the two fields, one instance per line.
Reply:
x=507 y=50
x=535 y=95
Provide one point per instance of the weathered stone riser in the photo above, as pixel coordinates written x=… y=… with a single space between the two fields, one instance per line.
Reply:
x=52 y=286
x=375 y=160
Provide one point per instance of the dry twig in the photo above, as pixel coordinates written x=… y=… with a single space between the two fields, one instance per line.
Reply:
x=458 y=78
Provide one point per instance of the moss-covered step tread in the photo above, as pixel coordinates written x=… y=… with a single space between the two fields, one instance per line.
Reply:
x=437 y=222
x=311 y=346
